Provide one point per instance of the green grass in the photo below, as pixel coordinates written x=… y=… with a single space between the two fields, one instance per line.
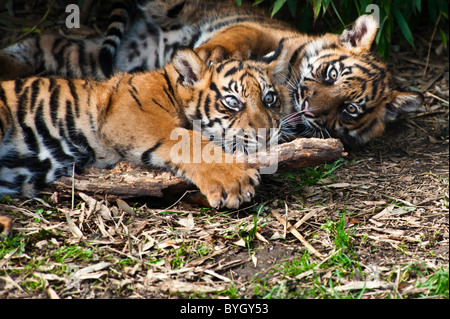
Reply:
x=320 y=174
x=72 y=252
x=342 y=263
x=437 y=283
x=180 y=256
x=231 y=292
x=247 y=233
x=10 y=244
x=342 y=237
x=296 y=266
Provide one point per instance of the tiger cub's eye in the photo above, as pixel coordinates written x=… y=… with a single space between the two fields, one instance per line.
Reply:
x=351 y=108
x=332 y=74
x=270 y=98
x=232 y=102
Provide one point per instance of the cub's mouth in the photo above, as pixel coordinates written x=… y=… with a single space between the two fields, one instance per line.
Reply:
x=311 y=120
x=303 y=122
x=305 y=109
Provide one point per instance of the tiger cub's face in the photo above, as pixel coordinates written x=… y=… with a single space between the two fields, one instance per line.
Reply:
x=239 y=106
x=343 y=90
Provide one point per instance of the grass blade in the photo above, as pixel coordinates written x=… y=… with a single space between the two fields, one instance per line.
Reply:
x=403 y=25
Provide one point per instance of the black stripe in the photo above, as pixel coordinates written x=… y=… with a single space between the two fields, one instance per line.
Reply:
x=231 y=71
x=3 y=96
x=52 y=144
x=28 y=134
x=114 y=31
x=198 y=113
x=156 y=102
x=73 y=92
x=147 y=155
x=275 y=55
x=92 y=61
x=34 y=94
x=83 y=61
x=297 y=52
x=54 y=104
x=108 y=106
x=214 y=88
x=222 y=65
x=109 y=42
x=374 y=88
x=175 y=10
x=171 y=98
x=369 y=127
x=58 y=52
x=135 y=98
x=207 y=104
x=169 y=85
x=51 y=84
x=18 y=85
x=85 y=155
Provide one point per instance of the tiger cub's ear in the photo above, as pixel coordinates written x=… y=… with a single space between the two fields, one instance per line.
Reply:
x=361 y=35
x=278 y=64
x=402 y=103
x=189 y=66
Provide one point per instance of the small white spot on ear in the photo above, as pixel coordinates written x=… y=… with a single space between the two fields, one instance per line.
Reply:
x=269 y=55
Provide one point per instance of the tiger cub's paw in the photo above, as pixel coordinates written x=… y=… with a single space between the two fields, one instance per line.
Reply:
x=228 y=185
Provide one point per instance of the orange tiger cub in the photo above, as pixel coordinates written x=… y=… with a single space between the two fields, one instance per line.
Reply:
x=48 y=125
x=336 y=84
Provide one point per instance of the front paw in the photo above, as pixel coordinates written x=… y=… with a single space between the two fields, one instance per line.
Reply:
x=228 y=185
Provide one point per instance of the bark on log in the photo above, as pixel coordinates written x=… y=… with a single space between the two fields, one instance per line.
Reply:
x=125 y=181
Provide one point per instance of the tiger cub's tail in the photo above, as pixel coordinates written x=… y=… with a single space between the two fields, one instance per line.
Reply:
x=122 y=11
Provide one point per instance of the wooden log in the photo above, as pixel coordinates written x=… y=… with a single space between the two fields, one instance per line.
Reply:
x=126 y=181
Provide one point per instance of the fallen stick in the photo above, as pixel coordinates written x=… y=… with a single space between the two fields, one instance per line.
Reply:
x=126 y=182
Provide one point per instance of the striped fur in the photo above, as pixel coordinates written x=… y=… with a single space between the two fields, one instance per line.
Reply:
x=49 y=125
x=355 y=107
x=139 y=38
x=337 y=86
x=118 y=20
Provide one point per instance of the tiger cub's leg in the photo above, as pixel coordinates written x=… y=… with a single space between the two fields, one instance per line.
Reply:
x=224 y=182
x=147 y=114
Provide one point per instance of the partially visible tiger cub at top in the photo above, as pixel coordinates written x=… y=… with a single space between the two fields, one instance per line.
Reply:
x=47 y=125
x=337 y=86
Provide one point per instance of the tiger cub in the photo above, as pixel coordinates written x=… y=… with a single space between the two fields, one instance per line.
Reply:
x=47 y=125
x=337 y=86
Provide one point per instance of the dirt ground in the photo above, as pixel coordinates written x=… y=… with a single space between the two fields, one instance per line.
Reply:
x=391 y=198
